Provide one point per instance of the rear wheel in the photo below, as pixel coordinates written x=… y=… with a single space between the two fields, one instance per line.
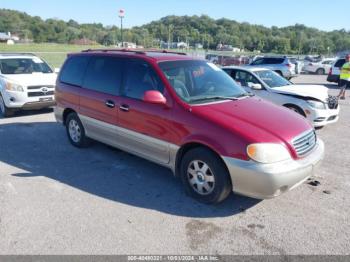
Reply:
x=320 y=71
x=205 y=176
x=76 y=131
x=4 y=110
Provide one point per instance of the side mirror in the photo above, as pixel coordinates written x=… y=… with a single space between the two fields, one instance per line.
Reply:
x=57 y=70
x=255 y=86
x=154 y=97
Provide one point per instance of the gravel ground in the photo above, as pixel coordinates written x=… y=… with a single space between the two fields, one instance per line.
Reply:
x=56 y=199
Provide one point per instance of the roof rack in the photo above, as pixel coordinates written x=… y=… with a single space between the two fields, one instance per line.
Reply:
x=136 y=51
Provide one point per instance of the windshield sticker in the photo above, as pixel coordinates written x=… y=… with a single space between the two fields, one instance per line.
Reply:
x=213 y=66
x=37 y=60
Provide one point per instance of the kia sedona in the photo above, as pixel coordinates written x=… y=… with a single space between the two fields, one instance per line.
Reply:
x=26 y=83
x=187 y=115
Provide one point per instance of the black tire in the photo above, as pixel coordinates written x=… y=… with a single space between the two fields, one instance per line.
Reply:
x=4 y=110
x=320 y=71
x=220 y=188
x=79 y=140
x=296 y=109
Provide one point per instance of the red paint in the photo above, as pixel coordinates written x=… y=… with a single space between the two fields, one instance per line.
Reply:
x=226 y=127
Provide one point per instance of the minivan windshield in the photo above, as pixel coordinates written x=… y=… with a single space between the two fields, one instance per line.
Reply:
x=272 y=79
x=17 y=66
x=198 y=82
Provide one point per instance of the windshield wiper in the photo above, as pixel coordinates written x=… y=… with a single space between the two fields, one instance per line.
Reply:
x=214 y=98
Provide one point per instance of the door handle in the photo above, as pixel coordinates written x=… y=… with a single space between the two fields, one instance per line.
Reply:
x=124 y=108
x=110 y=104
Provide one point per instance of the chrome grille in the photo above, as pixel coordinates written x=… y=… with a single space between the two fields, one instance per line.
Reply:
x=304 y=143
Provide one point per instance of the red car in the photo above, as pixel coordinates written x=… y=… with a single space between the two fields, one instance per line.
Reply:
x=187 y=115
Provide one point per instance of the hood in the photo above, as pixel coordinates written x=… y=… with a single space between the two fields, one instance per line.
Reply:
x=255 y=119
x=33 y=79
x=318 y=92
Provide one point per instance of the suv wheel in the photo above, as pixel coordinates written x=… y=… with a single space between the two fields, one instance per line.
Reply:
x=296 y=109
x=4 y=110
x=76 y=131
x=320 y=71
x=205 y=176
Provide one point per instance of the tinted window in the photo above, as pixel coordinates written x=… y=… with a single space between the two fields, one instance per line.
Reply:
x=74 y=70
x=243 y=78
x=274 y=61
x=104 y=75
x=340 y=63
x=24 y=66
x=140 y=77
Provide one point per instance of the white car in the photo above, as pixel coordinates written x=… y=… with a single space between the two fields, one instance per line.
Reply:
x=310 y=101
x=26 y=82
x=321 y=68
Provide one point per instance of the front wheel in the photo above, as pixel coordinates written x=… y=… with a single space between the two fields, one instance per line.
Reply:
x=320 y=71
x=205 y=176
x=76 y=131
x=4 y=110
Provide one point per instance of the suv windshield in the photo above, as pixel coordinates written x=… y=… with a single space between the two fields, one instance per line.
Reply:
x=272 y=79
x=17 y=66
x=200 y=81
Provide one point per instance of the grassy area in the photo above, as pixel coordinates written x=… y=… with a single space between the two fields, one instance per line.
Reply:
x=54 y=54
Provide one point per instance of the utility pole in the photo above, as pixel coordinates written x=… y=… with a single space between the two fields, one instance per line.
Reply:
x=121 y=16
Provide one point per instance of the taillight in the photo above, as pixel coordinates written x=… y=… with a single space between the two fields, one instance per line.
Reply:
x=289 y=65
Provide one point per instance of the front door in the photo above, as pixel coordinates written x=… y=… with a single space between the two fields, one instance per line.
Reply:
x=144 y=128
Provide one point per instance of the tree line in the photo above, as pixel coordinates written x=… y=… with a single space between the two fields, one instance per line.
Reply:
x=296 y=39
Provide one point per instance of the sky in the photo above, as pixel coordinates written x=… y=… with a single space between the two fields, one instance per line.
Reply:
x=322 y=14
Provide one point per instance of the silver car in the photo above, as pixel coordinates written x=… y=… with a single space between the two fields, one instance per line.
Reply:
x=281 y=65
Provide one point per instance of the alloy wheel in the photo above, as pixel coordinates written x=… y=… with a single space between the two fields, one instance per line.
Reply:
x=200 y=177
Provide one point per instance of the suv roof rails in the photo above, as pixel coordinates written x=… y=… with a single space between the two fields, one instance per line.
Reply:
x=15 y=54
x=136 y=51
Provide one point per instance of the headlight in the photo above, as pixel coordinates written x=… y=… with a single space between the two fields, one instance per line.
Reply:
x=268 y=153
x=14 y=87
x=317 y=104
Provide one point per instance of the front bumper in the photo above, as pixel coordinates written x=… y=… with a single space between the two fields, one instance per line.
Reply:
x=264 y=181
x=324 y=117
x=20 y=100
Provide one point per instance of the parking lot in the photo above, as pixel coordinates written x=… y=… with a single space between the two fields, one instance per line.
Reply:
x=56 y=199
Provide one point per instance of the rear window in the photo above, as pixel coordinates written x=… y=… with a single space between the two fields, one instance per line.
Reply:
x=20 y=66
x=340 y=63
x=74 y=70
x=104 y=75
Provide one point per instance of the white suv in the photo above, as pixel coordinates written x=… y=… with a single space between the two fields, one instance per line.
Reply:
x=26 y=82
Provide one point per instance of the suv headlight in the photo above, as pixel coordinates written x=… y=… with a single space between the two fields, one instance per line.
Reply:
x=316 y=104
x=14 y=87
x=268 y=153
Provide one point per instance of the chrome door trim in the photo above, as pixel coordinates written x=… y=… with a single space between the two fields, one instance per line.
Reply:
x=164 y=153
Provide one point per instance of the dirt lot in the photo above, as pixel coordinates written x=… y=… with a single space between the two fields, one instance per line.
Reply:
x=56 y=199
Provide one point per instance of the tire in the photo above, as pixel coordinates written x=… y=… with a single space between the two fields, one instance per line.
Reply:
x=76 y=131
x=320 y=71
x=4 y=110
x=296 y=109
x=205 y=176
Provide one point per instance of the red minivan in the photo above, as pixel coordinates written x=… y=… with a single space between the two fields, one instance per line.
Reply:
x=188 y=115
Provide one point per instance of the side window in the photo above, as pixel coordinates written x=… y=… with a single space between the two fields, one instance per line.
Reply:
x=243 y=78
x=74 y=70
x=140 y=77
x=259 y=61
x=103 y=75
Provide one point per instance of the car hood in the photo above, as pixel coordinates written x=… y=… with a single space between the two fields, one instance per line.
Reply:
x=318 y=92
x=32 y=79
x=255 y=119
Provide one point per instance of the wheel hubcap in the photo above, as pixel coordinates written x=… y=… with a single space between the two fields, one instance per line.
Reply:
x=74 y=131
x=200 y=177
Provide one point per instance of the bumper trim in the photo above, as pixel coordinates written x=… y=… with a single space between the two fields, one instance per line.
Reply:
x=264 y=181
